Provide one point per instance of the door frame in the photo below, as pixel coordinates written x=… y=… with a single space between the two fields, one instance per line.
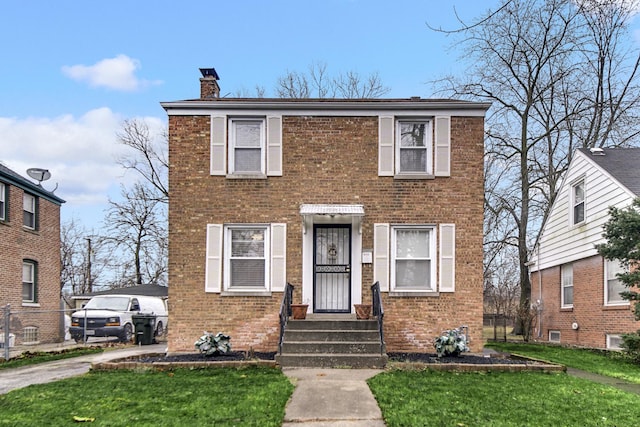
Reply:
x=350 y=261
x=308 y=222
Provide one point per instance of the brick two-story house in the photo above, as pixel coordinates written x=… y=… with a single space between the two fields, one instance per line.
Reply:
x=30 y=264
x=577 y=290
x=331 y=196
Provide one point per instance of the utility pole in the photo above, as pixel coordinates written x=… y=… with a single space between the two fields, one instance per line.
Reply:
x=88 y=278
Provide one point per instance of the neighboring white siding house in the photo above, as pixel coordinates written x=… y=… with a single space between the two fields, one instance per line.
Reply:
x=577 y=290
x=562 y=239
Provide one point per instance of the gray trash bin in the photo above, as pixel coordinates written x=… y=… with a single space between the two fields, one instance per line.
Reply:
x=145 y=326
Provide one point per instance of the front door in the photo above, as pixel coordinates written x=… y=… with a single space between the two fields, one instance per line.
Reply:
x=332 y=269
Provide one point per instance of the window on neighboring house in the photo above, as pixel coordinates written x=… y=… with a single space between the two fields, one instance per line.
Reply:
x=413 y=251
x=613 y=285
x=247 y=146
x=614 y=342
x=414 y=147
x=3 y=201
x=30 y=211
x=567 y=285
x=246 y=257
x=29 y=281
x=577 y=202
x=554 y=336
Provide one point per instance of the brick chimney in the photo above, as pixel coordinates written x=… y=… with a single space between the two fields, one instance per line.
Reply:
x=209 y=88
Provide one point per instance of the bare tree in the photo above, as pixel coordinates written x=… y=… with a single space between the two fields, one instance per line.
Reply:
x=136 y=226
x=316 y=83
x=560 y=74
x=149 y=156
x=82 y=263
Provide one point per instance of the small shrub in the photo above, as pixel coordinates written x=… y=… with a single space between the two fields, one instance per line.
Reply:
x=631 y=345
x=451 y=343
x=213 y=345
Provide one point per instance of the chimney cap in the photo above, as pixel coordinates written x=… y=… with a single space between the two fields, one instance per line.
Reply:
x=209 y=72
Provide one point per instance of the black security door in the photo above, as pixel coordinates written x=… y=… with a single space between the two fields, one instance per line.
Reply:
x=332 y=269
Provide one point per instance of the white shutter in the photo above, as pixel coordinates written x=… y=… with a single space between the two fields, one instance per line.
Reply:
x=447 y=258
x=274 y=146
x=381 y=255
x=443 y=147
x=218 y=145
x=213 y=269
x=385 y=146
x=278 y=257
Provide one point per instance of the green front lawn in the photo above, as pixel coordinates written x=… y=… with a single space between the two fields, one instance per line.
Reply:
x=30 y=358
x=429 y=398
x=609 y=363
x=251 y=396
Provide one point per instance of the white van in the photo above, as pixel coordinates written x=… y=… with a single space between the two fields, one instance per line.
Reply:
x=110 y=316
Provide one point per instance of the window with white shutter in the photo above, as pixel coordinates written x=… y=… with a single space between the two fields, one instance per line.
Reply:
x=218 y=145
x=414 y=148
x=447 y=275
x=247 y=146
x=246 y=257
x=278 y=257
x=381 y=255
x=213 y=266
x=413 y=263
x=274 y=146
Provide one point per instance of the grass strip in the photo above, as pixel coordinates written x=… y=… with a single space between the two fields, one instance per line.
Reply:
x=34 y=357
x=430 y=398
x=610 y=363
x=252 y=396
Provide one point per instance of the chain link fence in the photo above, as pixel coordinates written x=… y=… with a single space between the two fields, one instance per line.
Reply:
x=23 y=330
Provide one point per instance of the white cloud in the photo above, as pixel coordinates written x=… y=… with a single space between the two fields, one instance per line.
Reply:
x=80 y=153
x=117 y=73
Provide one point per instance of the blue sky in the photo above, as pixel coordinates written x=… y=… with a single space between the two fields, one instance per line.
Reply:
x=72 y=71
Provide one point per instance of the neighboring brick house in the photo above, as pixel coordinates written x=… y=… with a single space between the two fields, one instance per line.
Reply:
x=577 y=288
x=331 y=196
x=30 y=265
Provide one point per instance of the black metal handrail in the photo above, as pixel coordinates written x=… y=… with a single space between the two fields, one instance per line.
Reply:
x=285 y=312
x=378 y=312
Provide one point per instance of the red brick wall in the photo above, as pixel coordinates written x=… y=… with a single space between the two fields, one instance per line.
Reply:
x=42 y=246
x=331 y=160
x=595 y=320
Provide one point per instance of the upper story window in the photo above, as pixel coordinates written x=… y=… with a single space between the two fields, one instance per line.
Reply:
x=3 y=201
x=613 y=285
x=577 y=203
x=29 y=281
x=414 y=148
x=30 y=211
x=247 y=146
x=413 y=263
x=566 y=273
x=246 y=257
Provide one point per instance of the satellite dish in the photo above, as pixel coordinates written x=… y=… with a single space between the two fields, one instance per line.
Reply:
x=39 y=174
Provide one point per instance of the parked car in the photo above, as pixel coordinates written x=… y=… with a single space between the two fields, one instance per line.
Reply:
x=111 y=316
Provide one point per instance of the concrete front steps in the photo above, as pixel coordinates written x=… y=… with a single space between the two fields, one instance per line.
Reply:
x=332 y=341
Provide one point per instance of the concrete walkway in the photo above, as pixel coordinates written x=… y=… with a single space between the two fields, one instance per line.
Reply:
x=613 y=382
x=332 y=398
x=11 y=379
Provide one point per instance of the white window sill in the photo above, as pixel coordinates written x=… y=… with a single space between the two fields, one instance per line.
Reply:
x=414 y=176
x=246 y=176
x=622 y=304
x=414 y=293
x=30 y=304
x=245 y=293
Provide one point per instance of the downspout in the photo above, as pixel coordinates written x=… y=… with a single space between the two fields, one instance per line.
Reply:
x=540 y=305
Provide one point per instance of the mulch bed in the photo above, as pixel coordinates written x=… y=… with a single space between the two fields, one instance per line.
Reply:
x=233 y=356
